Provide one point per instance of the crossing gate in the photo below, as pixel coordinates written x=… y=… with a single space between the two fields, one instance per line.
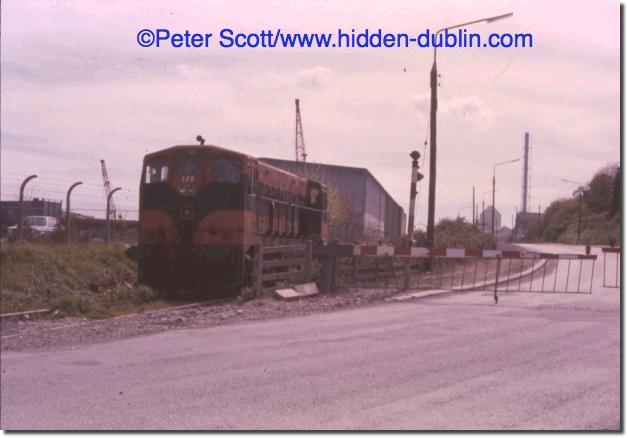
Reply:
x=465 y=270
x=612 y=263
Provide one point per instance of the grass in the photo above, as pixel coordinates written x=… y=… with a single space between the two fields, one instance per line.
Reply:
x=96 y=281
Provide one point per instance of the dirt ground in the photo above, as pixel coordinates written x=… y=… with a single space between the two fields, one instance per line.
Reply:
x=53 y=332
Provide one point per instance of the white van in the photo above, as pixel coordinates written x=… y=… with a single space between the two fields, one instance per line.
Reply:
x=38 y=225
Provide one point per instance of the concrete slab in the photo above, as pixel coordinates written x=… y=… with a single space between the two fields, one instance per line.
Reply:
x=307 y=289
x=287 y=294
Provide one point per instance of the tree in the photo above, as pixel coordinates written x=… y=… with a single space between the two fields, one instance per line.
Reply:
x=598 y=193
x=615 y=203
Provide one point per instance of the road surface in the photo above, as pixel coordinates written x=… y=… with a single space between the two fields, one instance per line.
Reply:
x=534 y=361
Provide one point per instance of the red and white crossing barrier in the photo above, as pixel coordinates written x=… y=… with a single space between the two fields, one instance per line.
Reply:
x=418 y=252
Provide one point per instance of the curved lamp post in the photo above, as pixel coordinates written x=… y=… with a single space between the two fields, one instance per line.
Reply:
x=433 y=108
x=431 y=207
x=579 y=190
x=493 y=206
x=67 y=210
x=20 y=213
x=108 y=211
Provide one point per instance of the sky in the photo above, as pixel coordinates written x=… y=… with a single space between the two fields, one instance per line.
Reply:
x=77 y=88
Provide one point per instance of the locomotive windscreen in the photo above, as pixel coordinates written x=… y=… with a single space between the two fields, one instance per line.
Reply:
x=156 y=170
x=226 y=170
x=189 y=166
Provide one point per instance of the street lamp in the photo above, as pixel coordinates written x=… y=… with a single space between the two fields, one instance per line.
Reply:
x=20 y=208
x=433 y=108
x=108 y=230
x=579 y=190
x=539 y=201
x=67 y=212
x=484 y=194
x=493 y=207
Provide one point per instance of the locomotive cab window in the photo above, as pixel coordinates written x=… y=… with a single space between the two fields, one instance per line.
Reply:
x=156 y=171
x=189 y=166
x=226 y=170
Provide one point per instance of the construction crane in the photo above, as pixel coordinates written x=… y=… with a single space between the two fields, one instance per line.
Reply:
x=105 y=179
x=299 y=143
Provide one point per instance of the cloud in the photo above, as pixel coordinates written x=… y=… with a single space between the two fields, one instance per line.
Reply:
x=421 y=102
x=472 y=109
x=40 y=146
x=466 y=109
x=317 y=77
x=192 y=73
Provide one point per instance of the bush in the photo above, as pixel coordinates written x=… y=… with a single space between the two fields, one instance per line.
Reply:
x=455 y=233
x=93 y=280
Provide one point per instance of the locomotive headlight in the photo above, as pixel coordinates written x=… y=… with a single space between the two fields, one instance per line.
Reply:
x=187 y=190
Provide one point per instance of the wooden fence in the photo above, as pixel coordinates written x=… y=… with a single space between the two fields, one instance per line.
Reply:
x=288 y=263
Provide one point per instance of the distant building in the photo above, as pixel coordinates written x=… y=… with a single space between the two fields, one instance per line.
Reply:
x=371 y=213
x=34 y=207
x=486 y=219
x=503 y=234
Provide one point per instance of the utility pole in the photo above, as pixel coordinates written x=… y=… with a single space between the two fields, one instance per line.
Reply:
x=67 y=212
x=416 y=176
x=539 y=219
x=20 y=209
x=524 y=194
x=433 y=109
x=299 y=142
x=579 y=212
x=473 y=208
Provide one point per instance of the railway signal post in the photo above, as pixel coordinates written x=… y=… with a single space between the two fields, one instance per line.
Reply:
x=416 y=176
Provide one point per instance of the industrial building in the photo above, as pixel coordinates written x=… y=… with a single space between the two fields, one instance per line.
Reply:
x=34 y=207
x=486 y=220
x=370 y=213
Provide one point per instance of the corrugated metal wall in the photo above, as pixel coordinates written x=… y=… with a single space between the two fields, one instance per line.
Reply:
x=376 y=215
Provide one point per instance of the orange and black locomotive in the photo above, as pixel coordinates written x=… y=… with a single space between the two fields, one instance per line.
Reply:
x=204 y=208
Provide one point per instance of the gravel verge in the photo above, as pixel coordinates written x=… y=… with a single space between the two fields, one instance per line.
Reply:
x=50 y=333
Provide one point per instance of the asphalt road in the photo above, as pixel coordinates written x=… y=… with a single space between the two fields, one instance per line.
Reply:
x=534 y=361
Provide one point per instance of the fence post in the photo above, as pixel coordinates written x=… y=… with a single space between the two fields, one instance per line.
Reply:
x=257 y=270
x=354 y=269
x=406 y=273
x=499 y=263
x=387 y=274
x=308 y=261
x=326 y=273
x=334 y=266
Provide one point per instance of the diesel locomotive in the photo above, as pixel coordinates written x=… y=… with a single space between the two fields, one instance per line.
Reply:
x=203 y=209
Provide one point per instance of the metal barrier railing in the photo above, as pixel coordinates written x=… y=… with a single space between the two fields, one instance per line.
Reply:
x=611 y=270
x=459 y=269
